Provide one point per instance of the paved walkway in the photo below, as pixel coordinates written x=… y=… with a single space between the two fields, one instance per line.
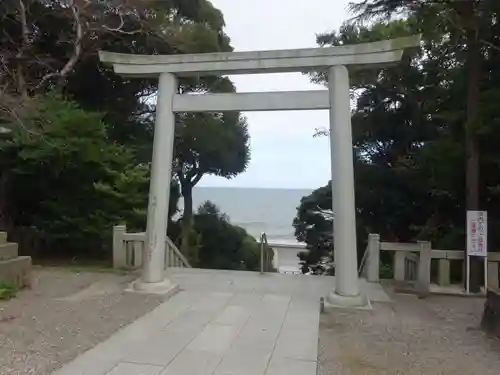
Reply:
x=221 y=323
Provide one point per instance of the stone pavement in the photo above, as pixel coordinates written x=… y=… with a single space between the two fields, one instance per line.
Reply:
x=221 y=323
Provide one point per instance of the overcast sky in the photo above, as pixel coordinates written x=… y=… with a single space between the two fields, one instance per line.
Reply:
x=284 y=152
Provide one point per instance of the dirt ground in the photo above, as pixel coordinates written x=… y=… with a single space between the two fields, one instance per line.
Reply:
x=64 y=314
x=410 y=336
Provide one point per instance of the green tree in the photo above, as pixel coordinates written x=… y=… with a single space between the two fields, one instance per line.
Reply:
x=313 y=225
x=221 y=244
x=68 y=181
x=409 y=134
x=467 y=25
x=64 y=56
x=387 y=131
x=207 y=143
x=48 y=45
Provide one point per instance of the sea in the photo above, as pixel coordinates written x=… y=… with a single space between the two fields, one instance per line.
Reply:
x=257 y=210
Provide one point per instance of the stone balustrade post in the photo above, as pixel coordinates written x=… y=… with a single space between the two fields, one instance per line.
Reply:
x=373 y=260
x=119 y=250
x=424 y=266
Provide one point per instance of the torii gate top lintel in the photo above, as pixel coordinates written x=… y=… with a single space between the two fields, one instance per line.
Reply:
x=376 y=54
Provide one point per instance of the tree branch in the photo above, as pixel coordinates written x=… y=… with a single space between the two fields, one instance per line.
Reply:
x=21 y=81
x=10 y=106
x=77 y=51
x=197 y=178
x=119 y=29
x=463 y=29
x=490 y=44
x=24 y=23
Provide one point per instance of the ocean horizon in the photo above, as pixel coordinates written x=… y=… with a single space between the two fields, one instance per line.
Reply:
x=257 y=210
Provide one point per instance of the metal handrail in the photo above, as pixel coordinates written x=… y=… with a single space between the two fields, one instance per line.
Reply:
x=177 y=252
x=363 y=261
x=263 y=246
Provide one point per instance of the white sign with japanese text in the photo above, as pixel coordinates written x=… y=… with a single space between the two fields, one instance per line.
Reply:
x=477 y=239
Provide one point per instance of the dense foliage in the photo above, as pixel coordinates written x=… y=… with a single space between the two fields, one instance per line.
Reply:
x=424 y=132
x=68 y=179
x=207 y=143
x=222 y=245
x=76 y=139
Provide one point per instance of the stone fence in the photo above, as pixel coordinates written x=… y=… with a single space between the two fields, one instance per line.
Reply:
x=14 y=269
x=128 y=250
x=412 y=263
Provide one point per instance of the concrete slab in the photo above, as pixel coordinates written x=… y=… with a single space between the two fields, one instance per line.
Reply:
x=309 y=288
x=103 y=357
x=135 y=369
x=288 y=366
x=193 y=362
x=247 y=361
x=256 y=336
x=214 y=338
x=190 y=320
x=234 y=316
x=212 y=302
x=301 y=320
x=251 y=301
x=221 y=323
x=160 y=349
x=304 y=304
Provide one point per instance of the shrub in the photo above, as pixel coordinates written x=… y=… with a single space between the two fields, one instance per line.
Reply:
x=7 y=290
x=221 y=244
x=68 y=181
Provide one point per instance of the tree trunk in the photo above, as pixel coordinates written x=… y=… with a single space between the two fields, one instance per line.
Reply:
x=187 y=218
x=471 y=142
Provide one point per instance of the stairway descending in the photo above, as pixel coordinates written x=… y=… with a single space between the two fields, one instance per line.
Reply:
x=14 y=269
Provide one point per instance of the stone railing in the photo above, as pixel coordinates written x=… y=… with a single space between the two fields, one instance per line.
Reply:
x=412 y=262
x=128 y=250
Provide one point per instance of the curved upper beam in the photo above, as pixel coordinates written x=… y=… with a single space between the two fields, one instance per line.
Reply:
x=358 y=56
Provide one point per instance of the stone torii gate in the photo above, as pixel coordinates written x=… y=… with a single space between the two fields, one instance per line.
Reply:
x=335 y=61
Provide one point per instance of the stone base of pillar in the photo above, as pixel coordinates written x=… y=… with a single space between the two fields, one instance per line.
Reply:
x=163 y=288
x=352 y=302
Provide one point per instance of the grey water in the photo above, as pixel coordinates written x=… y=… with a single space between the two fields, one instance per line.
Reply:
x=256 y=210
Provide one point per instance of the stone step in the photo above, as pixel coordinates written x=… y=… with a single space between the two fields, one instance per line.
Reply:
x=8 y=251
x=3 y=237
x=16 y=271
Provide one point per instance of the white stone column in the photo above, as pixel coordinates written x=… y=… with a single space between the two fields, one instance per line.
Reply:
x=373 y=274
x=153 y=275
x=346 y=291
